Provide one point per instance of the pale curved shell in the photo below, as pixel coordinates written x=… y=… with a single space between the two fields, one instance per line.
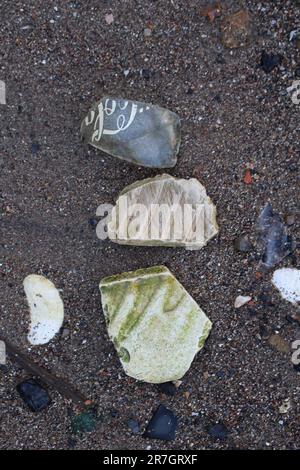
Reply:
x=46 y=309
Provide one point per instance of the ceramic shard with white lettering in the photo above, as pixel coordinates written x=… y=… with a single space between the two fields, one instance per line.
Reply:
x=163 y=211
x=157 y=328
x=46 y=309
x=137 y=132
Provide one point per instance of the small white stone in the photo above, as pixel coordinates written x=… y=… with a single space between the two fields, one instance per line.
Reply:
x=177 y=383
x=241 y=300
x=109 y=18
x=285 y=406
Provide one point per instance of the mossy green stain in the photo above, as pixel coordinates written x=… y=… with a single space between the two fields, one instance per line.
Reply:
x=115 y=295
x=174 y=294
x=188 y=325
x=124 y=355
x=143 y=291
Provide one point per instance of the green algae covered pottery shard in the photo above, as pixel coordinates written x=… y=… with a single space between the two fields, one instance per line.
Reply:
x=140 y=133
x=156 y=326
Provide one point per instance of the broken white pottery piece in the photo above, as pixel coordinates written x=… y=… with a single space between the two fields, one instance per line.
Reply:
x=46 y=309
x=156 y=326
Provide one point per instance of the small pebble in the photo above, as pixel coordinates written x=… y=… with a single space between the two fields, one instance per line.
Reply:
x=109 y=18
x=285 y=406
x=218 y=431
x=93 y=222
x=113 y=413
x=145 y=73
x=84 y=422
x=279 y=343
x=65 y=333
x=33 y=394
x=242 y=244
x=162 y=425
x=269 y=62
x=241 y=300
x=133 y=426
x=290 y=219
x=35 y=147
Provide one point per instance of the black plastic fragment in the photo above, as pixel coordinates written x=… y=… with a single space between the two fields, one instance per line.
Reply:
x=162 y=425
x=33 y=394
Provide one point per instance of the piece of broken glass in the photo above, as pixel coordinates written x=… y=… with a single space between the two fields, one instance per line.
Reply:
x=141 y=133
x=84 y=422
x=273 y=242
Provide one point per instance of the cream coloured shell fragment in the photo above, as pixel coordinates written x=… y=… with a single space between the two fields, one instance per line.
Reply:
x=157 y=328
x=163 y=211
x=46 y=309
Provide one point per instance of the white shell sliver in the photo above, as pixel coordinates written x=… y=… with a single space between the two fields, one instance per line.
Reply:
x=287 y=281
x=46 y=309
